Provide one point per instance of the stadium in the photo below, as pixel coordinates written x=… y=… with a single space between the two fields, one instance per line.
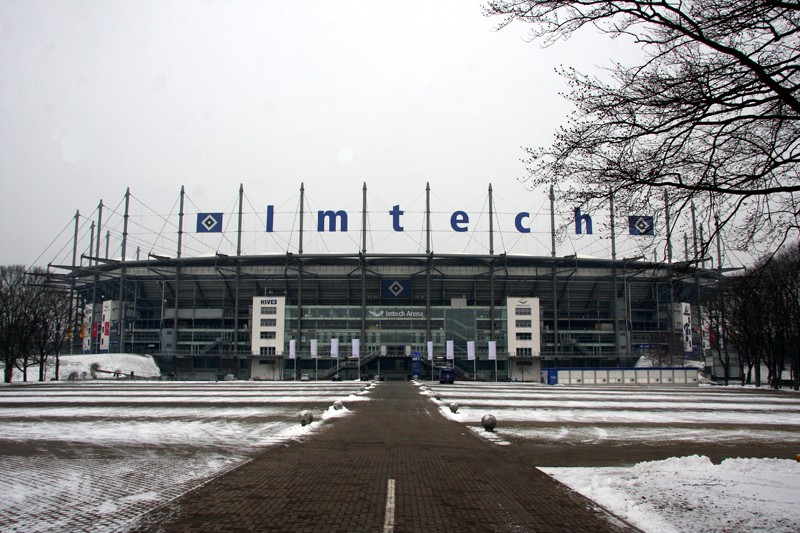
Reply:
x=295 y=314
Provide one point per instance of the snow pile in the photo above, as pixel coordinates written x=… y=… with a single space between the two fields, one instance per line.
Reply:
x=332 y=412
x=693 y=494
x=80 y=366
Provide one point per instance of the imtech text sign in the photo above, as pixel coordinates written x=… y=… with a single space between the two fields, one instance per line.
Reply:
x=333 y=221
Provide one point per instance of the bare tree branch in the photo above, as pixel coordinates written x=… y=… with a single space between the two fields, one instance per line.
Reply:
x=712 y=112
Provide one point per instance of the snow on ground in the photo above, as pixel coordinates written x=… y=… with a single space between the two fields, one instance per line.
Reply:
x=679 y=494
x=95 y=455
x=557 y=410
x=693 y=494
x=142 y=366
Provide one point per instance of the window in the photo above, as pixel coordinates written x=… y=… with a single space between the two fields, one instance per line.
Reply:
x=523 y=311
x=523 y=323
x=273 y=311
x=524 y=352
x=267 y=350
x=524 y=336
x=267 y=334
x=268 y=322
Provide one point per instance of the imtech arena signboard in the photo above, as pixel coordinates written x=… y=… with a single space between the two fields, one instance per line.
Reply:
x=401 y=226
x=329 y=221
x=395 y=313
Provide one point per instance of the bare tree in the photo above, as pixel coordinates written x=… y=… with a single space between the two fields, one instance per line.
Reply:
x=710 y=115
x=52 y=317
x=744 y=321
x=716 y=315
x=34 y=315
x=17 y=323
x=763 y=316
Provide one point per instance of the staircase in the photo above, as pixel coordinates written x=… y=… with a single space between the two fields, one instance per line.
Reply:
x=349 y=363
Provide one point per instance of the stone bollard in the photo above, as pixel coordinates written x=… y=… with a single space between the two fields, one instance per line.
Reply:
x=306 y=417
x=453 y=407
x=438 y=396
x=337 y=405
x=489 y=422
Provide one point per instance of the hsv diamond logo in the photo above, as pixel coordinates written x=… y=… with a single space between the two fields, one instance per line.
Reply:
x=641 y=225
x=396 y=289
x=209 y=222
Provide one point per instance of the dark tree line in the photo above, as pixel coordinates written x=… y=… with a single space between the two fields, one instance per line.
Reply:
x=757 y=314
x=34 y=320
x=711 y=115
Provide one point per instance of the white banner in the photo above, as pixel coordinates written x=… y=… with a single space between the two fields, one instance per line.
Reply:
x=686 y=327
x=471 y=350
x=430 y=350
x=314 y=348
x=292 y=349
x=356 y=347
x=334 y=347
x=493 y=350
x=450 y=351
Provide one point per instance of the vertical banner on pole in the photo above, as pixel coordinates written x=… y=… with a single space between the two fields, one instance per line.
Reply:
x=314 y=348
x=493 y=356
x=471 y=357
x=356 y=347
x=430 y=350
x=293 y=355
x=450 y=351
x=686 y=327
x=335 y=352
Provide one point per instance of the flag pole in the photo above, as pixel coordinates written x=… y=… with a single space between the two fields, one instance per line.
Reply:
x=554 y=269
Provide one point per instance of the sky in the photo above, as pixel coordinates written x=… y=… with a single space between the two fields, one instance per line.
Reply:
x=97 y=97
x=147 y=463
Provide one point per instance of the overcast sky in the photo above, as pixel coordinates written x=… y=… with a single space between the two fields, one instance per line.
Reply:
x=97 y=96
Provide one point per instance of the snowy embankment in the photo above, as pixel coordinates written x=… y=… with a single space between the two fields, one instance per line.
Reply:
x=108 y=366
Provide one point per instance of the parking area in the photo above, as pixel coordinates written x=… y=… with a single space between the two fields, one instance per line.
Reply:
x=232 y=456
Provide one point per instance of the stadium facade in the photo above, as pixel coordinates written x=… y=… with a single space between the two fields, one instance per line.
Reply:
x=490 y=316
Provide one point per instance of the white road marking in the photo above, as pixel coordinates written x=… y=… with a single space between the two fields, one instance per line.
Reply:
x=388 y=522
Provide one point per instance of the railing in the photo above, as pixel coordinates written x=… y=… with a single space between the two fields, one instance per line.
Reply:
x=242 y=352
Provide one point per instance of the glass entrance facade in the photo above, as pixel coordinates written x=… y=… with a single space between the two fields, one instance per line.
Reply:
x=396 y=331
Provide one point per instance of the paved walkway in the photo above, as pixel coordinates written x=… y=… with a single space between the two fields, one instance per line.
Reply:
x=394 y=465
